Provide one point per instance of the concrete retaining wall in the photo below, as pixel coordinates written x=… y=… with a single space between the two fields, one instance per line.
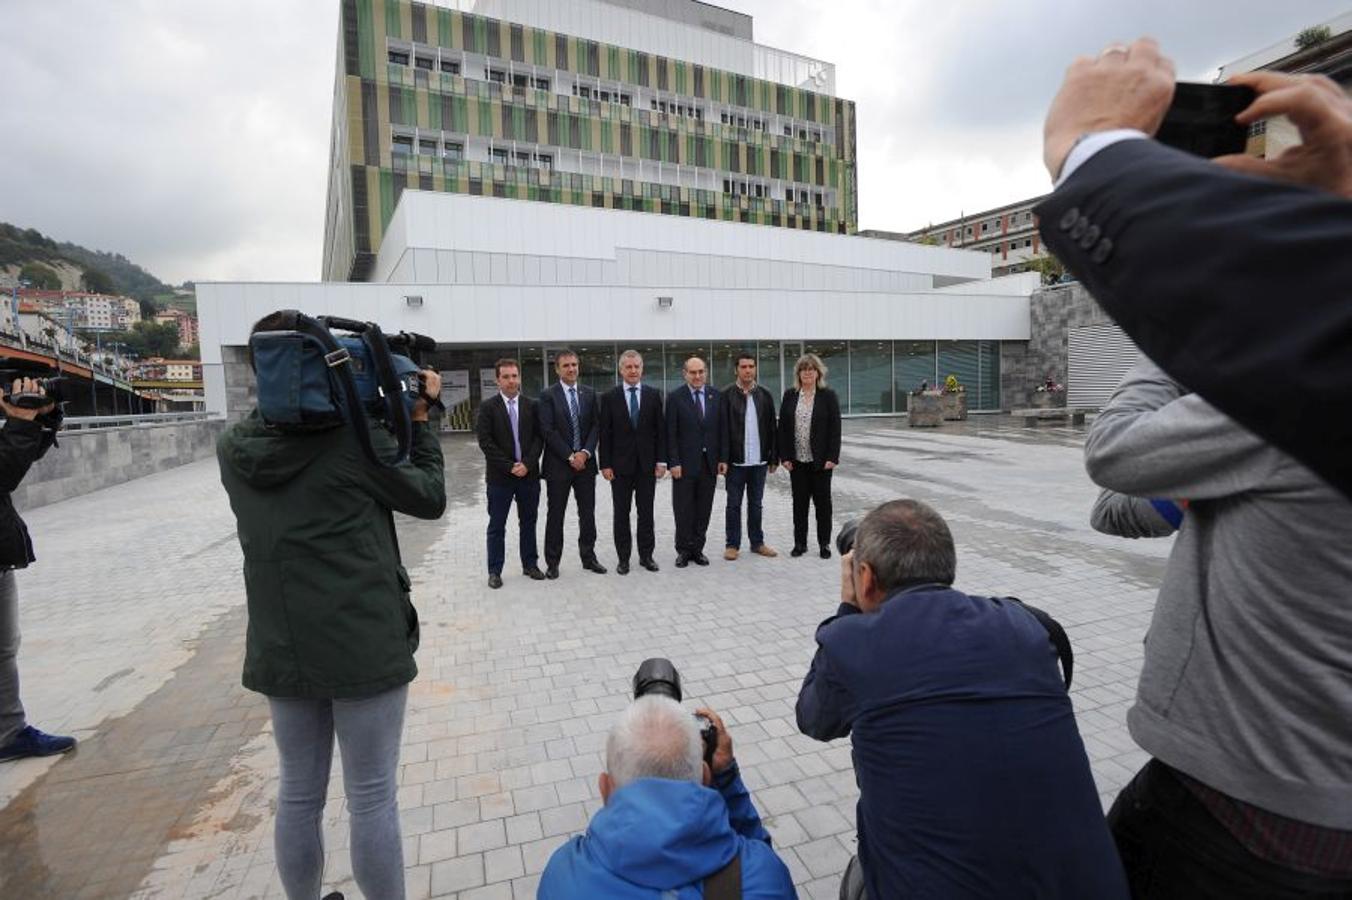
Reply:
x=86 y=461
x=1025 y=365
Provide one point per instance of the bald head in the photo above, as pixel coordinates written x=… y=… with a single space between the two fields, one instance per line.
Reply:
x=695 y=372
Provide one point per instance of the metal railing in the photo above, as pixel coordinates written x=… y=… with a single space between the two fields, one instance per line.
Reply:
x=90 y=423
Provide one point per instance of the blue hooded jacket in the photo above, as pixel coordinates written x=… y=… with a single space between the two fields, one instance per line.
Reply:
x=658 y=838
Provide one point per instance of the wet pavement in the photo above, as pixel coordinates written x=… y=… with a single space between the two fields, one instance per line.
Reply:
x=133 y=625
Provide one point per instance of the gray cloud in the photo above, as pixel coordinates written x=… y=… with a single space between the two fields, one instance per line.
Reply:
x=193 y=137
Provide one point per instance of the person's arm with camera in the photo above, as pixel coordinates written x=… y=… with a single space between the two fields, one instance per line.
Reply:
x=727 y=780
x=1187 y=253
x=26 y=436
x=826 y=709
x=418 y=487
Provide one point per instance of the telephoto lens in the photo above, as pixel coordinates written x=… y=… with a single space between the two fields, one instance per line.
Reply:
x=845 y=537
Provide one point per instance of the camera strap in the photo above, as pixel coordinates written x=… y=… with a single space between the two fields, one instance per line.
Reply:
x=339 y=362
x=1057 y=635
x=726 y=883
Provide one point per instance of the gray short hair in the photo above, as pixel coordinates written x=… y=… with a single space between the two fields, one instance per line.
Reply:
x=906 y=542
x=630 y=354
x=654 y=738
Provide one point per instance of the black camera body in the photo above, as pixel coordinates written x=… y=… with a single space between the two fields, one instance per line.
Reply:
x=845 y=536
x=51 y=388
x=659 y=676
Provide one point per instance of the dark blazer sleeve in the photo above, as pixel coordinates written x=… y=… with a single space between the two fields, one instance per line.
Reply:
x=655 y=396
x=545 y=416
x=673 y=420
x=604 y=430
x=21 y=444
x=832 y=442
x=494 y=456
x=724 y=426
x=826 y=708
x=593 y=435
x=1232 y=284
x=772 y=447
x=787 y=407
x=531 y=446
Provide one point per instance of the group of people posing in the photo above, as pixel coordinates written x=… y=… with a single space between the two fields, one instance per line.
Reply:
x=634 y=437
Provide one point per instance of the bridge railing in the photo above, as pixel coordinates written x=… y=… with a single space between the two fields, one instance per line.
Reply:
x=89 y=423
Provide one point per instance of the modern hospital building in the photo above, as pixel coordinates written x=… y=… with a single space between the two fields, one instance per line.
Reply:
x=515 y=176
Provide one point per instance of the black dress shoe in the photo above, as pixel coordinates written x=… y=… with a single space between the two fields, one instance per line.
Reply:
x=797 y=551
x=495 y=581
x=552 y=572
x=648 y=563
x=594 y=565
x=533 y=573
x=826 y=551
x=622 y=567
x=700 y=559
x=682 y=560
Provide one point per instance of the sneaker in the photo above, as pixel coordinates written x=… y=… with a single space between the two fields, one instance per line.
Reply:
x=765 y=550
x=31 y=742
x=730 y=553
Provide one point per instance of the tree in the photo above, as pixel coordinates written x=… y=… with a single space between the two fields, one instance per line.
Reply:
x=192 y=351
x=1315 y=34
x=1049 y=267
x=148 y=309
x=147 y=339
x=41 y=277
x=97 y=282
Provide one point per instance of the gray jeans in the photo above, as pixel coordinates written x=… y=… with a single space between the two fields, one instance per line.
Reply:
x=11 y=709
x=369 y=732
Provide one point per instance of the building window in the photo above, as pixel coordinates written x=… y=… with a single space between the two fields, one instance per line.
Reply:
x=455 y=152
x=542 y=84
x=398 y=57
x=522 y=158
x=624 y=100
x=424 y=62
x=402 y=143
x=449 y=67
x=545 y=160
x=498 y=156
x=497 y=75
x=427 y=146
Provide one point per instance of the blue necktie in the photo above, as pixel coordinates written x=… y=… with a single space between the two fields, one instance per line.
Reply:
x=572 y=414
x=633 y=407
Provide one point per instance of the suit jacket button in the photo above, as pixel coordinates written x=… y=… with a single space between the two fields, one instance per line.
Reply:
x=1070 y=217
x=1102 y=251
x=1081 y=225
x=1091 y=236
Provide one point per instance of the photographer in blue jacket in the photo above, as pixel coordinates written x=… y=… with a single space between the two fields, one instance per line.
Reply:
x=673 y=826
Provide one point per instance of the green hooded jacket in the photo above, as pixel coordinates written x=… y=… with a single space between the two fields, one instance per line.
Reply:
x=329 y=611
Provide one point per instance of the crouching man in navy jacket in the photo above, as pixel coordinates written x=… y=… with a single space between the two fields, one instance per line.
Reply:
x=973 y=780
x=672 y=827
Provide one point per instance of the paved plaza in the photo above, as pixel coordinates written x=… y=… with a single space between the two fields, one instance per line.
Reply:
x=133 y=625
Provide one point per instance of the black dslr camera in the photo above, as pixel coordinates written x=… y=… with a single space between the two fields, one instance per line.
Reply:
x=659 y=676
x=845 y=536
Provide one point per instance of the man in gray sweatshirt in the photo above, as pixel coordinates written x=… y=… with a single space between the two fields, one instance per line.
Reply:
x=1245 y=699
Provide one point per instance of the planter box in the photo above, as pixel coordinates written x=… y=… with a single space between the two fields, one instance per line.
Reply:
x=1049 y=399
x=954 y=406
x=925 y=410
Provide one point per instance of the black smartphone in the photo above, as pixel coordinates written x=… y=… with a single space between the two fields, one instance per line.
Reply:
x=1201 y=120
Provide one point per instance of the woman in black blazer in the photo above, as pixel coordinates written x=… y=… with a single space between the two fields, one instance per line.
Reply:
x=809 y=447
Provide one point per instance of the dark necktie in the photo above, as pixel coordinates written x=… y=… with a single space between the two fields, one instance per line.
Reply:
x=699 y=396
x=633 y=407
x=573 y=415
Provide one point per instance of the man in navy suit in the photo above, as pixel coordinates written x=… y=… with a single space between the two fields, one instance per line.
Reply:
x=694 y=447
x=633 y=457
x=511 y=444
x=1230 y=274
x=568 y=423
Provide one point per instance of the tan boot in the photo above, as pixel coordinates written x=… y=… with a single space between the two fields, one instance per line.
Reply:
x=730 y=553
x=765 y=550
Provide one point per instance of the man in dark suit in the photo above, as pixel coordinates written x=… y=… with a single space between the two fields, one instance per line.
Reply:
x=511 y=445
x=694 y=448
x=568 y=423
x=1231 y=275
x=633 y=453
x=749 y=450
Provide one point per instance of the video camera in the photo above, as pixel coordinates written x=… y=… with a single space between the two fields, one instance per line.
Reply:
x=309 y=379
x=51 y=389
x=659 y=676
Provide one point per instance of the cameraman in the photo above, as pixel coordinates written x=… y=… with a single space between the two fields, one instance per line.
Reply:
x=973 y=780
x=24 y=439
x=663 y=832
x=331 y=632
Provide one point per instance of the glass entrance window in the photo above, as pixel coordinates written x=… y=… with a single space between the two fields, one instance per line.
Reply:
x=768 y=369
x=533 y=378
x=597 y=366
x=960 y=358
x=871 y=377
x=836 y=357
x=913 y=364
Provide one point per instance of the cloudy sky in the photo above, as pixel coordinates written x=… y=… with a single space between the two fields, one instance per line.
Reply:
x=192 y=136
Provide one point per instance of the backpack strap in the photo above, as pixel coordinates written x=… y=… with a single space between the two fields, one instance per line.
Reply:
x=726 y=883
x=1057 y=635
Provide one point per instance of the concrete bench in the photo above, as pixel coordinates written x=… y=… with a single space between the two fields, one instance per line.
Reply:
x=1031 y=417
